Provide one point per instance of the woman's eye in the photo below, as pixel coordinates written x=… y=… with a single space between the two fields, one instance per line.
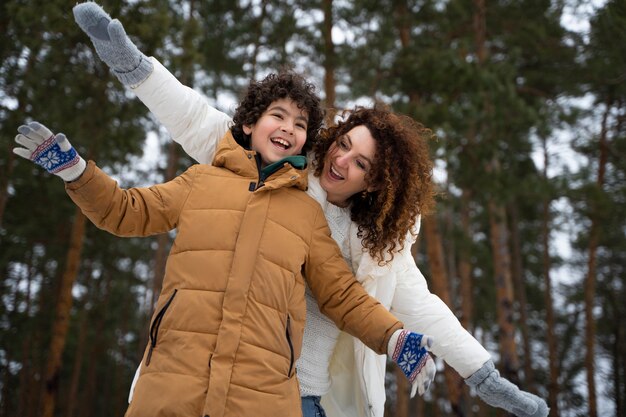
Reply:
x=343 y=144
x=361 y=165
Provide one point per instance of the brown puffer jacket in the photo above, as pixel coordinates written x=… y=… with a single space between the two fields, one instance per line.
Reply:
x=228 y=325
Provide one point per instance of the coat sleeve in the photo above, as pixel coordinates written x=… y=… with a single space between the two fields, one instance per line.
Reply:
x=132 y=212
x=186 y=114
x=341 y=297
x=424 y=312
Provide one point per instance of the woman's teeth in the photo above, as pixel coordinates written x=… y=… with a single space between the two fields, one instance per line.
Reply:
x=335 y=173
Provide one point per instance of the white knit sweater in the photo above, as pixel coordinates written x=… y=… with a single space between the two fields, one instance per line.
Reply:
x=320 y=333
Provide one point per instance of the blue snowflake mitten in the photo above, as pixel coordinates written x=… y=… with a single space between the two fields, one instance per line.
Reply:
x=409 y=350
x=52 y=152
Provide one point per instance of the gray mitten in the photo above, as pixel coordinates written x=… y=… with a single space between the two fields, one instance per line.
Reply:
x=127 y=62
x=500 y=392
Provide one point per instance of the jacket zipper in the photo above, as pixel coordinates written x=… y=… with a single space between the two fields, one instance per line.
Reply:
x=291 y=359
x=255 y=186
x=154 y=328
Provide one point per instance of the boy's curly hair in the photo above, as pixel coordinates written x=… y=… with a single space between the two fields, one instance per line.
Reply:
x=401 y=176
x=260 y=94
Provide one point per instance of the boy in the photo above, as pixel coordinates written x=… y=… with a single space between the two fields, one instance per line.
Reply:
x=228 y=324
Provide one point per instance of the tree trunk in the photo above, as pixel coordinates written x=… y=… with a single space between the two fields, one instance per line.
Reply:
x=517 y=274
x=121 y=381
x=10 y=164
x=590 y=328
x=466 y=288
x=8 y=404
x=465 y=269
x=480 y=30
x=98 y=349
x=402 y=394
x=590 y=278
x=617 y=352
x=504 y=290
x=402 y=16
x=329 y=60
x=619 y=408
x=498 y=228
x=62 y=315
x=38 y=360
x=258 y=38
x=78 y=361
x=439 y=281
x=553 y=382
x=25 y=382
x=4 y=184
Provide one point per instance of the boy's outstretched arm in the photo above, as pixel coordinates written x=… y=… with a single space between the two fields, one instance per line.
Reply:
x=131 y=212
x=186 y=114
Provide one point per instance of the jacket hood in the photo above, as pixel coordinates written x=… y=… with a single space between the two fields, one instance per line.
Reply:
x=243 y=162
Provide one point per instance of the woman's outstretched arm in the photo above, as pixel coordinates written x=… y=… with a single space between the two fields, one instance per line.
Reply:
x=422 y=311
x=185 y=113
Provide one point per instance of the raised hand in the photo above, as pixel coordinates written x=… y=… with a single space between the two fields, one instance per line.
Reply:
x=126 y=61
x=409 y=350
x=500 y=392
x=52 y=152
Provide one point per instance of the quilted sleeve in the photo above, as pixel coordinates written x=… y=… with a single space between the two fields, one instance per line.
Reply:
x=341 y=297
x=131 y=212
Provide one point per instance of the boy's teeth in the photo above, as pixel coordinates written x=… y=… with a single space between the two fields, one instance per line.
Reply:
x=281 y=142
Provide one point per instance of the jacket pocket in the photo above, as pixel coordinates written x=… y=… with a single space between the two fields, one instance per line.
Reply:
x=290 y=343
x=156 y=323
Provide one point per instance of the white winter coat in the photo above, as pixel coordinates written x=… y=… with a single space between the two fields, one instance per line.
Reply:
x=357 y=373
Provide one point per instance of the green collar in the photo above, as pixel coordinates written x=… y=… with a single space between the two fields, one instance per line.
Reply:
x=296 y=161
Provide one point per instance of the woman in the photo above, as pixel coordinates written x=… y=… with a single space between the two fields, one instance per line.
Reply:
x=363 y=177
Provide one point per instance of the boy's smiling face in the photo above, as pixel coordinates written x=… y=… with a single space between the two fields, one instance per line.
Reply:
x=280 y=131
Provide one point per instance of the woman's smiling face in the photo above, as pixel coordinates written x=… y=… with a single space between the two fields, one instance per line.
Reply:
x=347 y=164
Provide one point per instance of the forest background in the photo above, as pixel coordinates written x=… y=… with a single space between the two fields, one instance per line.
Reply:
x=527 y=245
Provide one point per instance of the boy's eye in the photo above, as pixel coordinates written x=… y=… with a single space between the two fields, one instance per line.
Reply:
x=278 y=115
x=301 y=126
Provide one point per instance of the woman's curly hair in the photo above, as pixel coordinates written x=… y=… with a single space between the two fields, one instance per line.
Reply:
x=401 y=176
x=260 y=94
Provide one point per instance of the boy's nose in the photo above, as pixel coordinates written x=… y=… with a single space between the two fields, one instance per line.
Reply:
x=287 y=128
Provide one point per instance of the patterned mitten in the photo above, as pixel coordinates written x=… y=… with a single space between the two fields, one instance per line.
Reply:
x=127 y=62
x=500 y=392
x=410 y=351
x=54 y=153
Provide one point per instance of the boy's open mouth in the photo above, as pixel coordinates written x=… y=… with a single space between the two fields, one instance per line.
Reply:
x=280 y=143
